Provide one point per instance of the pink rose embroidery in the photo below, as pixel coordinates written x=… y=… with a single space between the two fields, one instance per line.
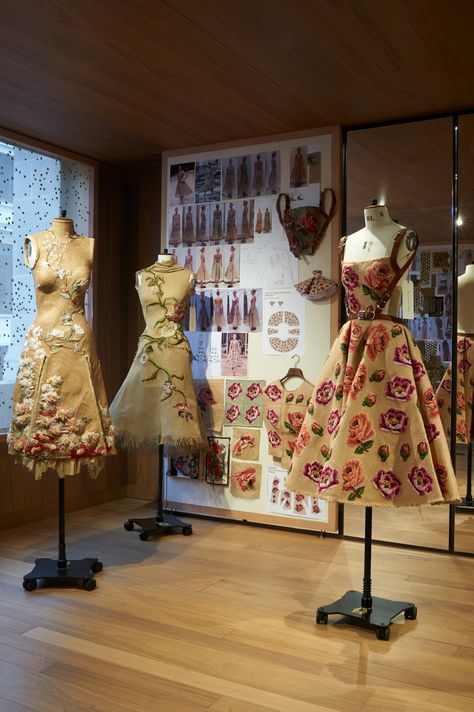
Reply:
x=253 y=391
x=461 y=430
x=432 y=432
x=401 y=355
x=359 y=381
x=312 y=470
x=183 y=411
x=377 y=376
x=418 y=369
x=325 y=392
x=348 y=378
x=272 y=416
x=234 y=390
x=463 y=345
x=378 y=276
x=384 y=452
x=356 y=335
x=393 y=421
x=252 y=414
x=273 y=438
x=398 y=388
x=405 y=451
x=359 y=432
x=232 y=413
x=429 y=401
x=302 y=440
x=352 y=304
x=422 y=449
x=353 y=478
x=460 y=402
x=442 y=477
x=446 y=385
x=328 y=478
x=387 y=483
x=349 y=278
x=333 y=421
x=317 y=428
x=273 y=392
x=377 y=340
x=296 y=421
x=370 y=400
x=464 y=365
x=420 y=480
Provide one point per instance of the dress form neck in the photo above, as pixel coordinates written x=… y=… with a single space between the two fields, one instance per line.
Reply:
x=376 y=238
x=465 y=300
x=62 y=228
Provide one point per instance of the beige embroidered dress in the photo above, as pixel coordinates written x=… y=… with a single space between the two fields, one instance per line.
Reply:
x=464 y=384
x=60 y=415
x=372 y=433
x=156 y=403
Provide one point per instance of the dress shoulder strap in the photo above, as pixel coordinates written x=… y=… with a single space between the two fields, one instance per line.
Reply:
x=342 y=246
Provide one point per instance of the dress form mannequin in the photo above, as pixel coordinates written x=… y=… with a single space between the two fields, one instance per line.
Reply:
x=375 y=241
x=465 y=301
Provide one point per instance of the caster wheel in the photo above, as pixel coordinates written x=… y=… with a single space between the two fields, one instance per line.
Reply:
x=410 y=614
x=383 y=633
x=321 y=617
x=128 y=526
x=29 y=584
x=186 y=531
x=98 y=566
x=89 y=584
x=144 y=536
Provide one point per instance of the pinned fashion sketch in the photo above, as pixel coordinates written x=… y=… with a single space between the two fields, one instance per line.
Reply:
x=273 y=182
x=259 y=222
x=243 y=186
x=253 y=319
x=202 y=275
x=232 y=276
x=188 y=233
x=234 y=318
x=219 y=317
x=298 y=168
x=217 y=224
x=175 y=234
x=231 y=223
x=203 y=319
x=188 y=260
x=229 y=185
x=202 y=224
x=245 y=223
x=257 y=178
x=60 y=412
x=217 y=273
x=372 y=434
x=267 y=221
x=156 y=403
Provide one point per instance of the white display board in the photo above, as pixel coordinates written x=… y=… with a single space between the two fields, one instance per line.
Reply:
x=196 y=188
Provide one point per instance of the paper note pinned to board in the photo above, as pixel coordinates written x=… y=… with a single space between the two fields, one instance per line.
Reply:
x=268 y=267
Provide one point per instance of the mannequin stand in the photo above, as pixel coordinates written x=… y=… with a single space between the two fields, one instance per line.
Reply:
x=467 y=503
x=63 y=572
x=362 y=609
x=162 y=522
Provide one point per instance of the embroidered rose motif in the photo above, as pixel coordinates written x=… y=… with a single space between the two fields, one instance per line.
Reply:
x=461 y=430
x=333 y=421
x=291 y=447
x=337 y=370
x=206 y=396
x=460 y=402
x=349 y=278
x=405 y=451
x=378 y=276
x=422 y=449
x=377 y=376
x=273 y=438
x=393 y=421
x=387 y=483
x=234 y=390
x=432 y=432
x=353 y=478
x=253 y=391
x=302 y=440
x=446 y=385
x=352 y=303
x=325 y=392
x=463 y=345
x=442 y=477
x=370 y=400
x=325 y=452
x=430 y=402
x=464 y=365
x=418 y=369
x=377 y=340
x=244 y=442
x=396 y=330
x=245 y=479
x=295 y=421
x=384 y=452
x=312 y=470
x=328 y=478
x=398 y=388
x=356 y=335
x=421 y=480
x=252 y=414
x=348 y=378
x=359 y=432
x=339 y=392
x=232 y=413
x=300 y=398
x=317 y=428
x=289 y=397
x=359 y=381
x=273 y=392
x=401 y=355
x=183 y=411
x=178 y=312
x=272 y=416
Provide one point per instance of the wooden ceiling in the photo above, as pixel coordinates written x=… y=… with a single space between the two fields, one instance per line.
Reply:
x=122 y=80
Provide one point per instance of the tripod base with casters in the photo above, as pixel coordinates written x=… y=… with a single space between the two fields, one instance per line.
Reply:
x=150 y=526
x=377 y=618
x=74 y=573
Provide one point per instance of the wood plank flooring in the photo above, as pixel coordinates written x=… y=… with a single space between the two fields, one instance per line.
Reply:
x=224 y=621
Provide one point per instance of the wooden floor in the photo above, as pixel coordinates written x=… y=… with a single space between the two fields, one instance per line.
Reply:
x=224 y=621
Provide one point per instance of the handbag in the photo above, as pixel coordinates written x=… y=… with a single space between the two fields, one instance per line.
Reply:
x=316 y=287
x=305 y=226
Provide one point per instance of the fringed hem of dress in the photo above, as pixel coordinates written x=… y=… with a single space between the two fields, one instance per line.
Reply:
x=62 y=467
x=128 y=441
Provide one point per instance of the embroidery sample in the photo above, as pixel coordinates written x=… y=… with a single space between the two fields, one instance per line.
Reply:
x=217 y=461
x=245 y=444
x=245 y=480
x=60 y=414
x=186 y=466
x=210 y=400
x=243 y=403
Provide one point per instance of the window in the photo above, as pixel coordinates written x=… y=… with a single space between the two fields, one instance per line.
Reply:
x=34 y=188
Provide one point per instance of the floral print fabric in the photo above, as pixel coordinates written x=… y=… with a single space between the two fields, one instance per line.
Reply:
x=372 y=433
x=210 y=400
x=243 y=403
x=464 y=391
x=60 y=414
x=157 y=403
x=284 y=414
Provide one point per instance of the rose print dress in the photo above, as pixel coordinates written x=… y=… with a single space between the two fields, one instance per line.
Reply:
x=464 y=391
x=60 y=415
x=156 y=403
x=372 y=433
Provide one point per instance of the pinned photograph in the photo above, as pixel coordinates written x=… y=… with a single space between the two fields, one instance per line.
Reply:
x=181 y=183
x=208 y=181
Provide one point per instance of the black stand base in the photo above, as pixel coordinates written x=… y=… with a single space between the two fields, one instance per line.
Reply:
x=76 y=573
x=151 y=526
x=466 y=506
x=377 y=618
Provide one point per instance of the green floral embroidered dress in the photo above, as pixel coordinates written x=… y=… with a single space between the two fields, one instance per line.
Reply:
x=60 y=415
x=372 y=434
x=156 y=403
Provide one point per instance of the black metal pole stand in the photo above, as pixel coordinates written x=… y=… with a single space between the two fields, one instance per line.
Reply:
x=467 y=505
x=363 y=609
x=60 y=571
x=162 y=522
